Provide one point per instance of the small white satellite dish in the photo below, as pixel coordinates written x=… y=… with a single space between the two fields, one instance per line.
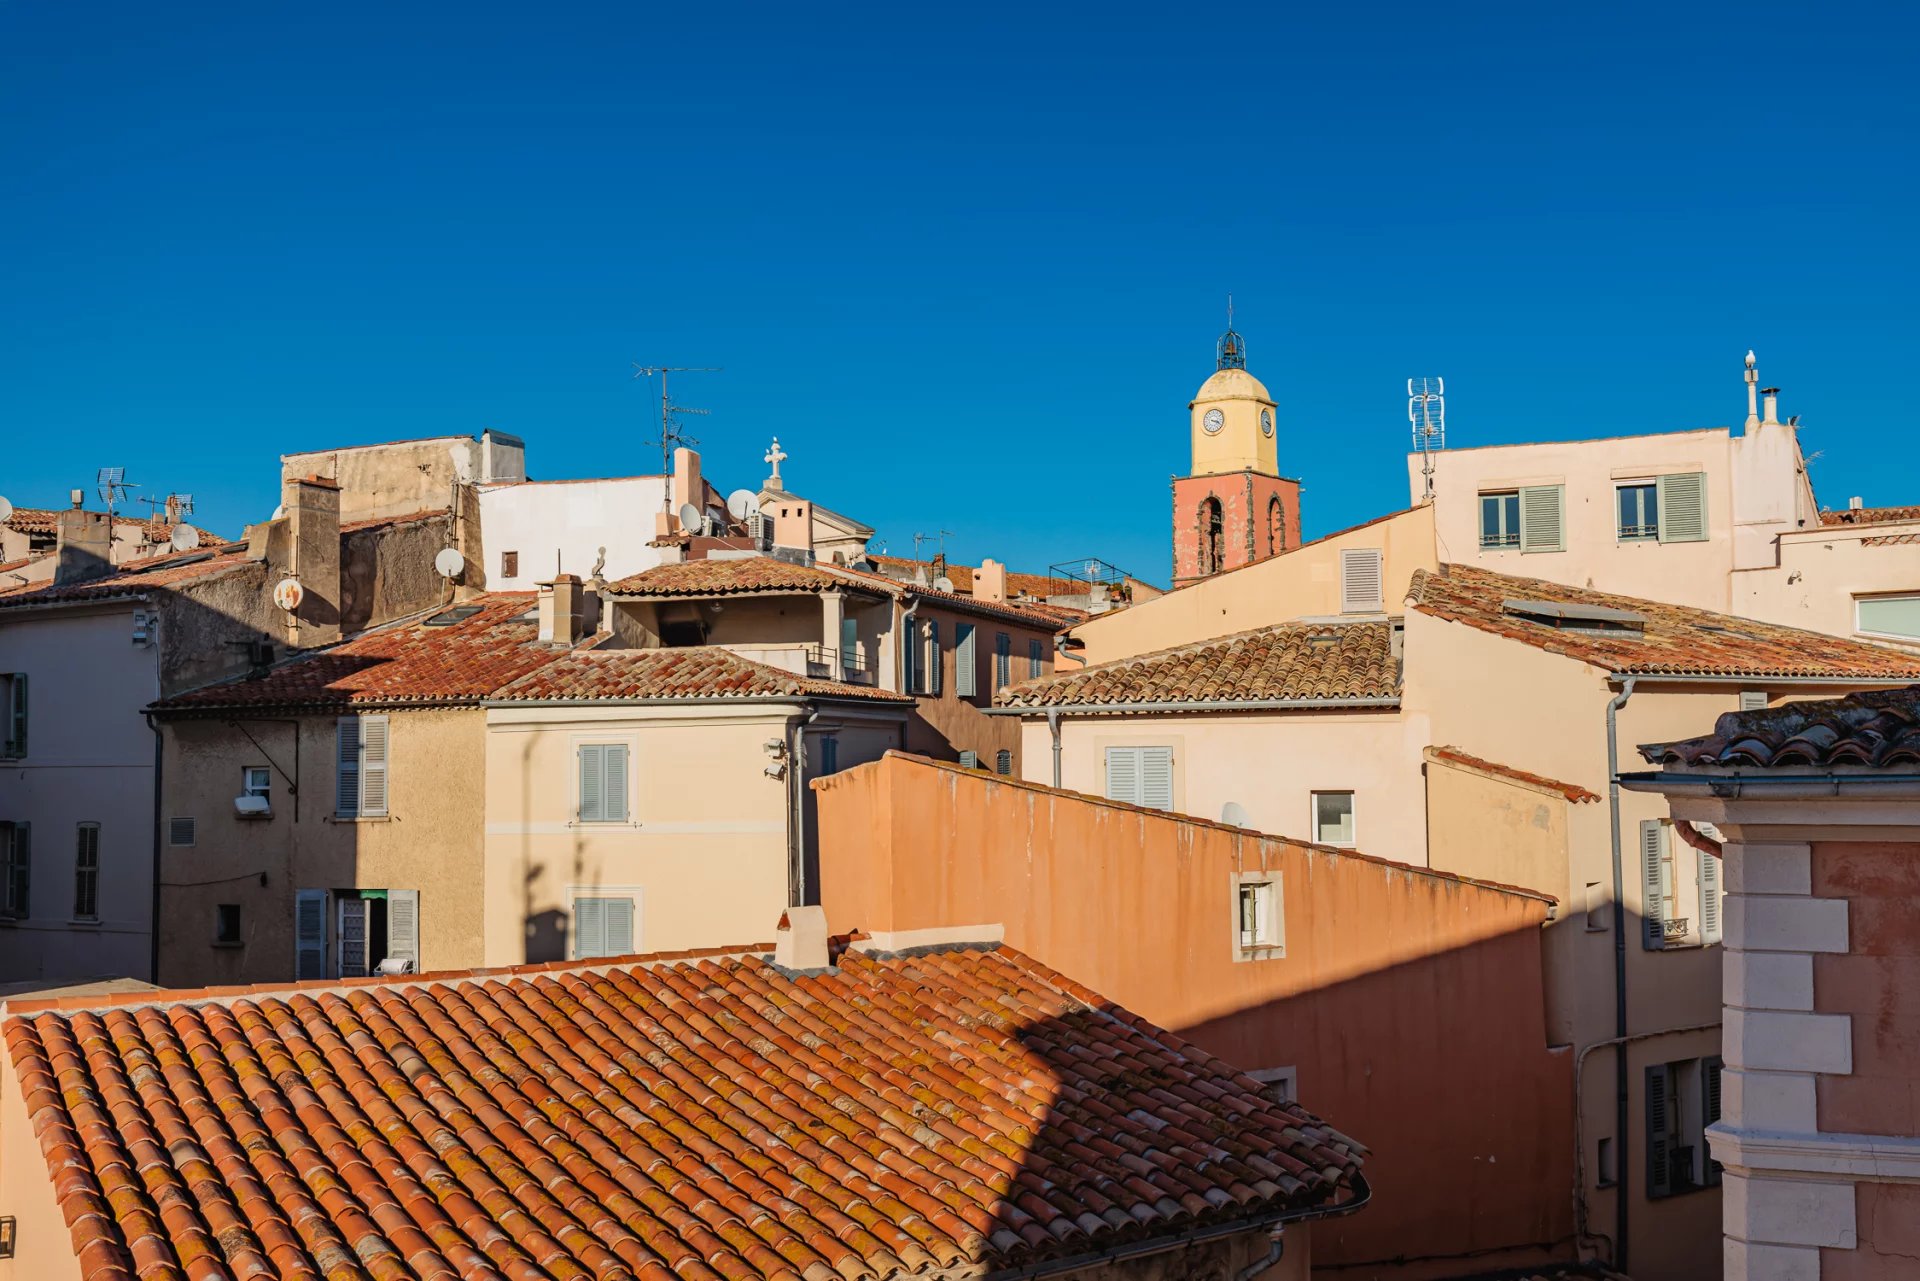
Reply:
x=449 y=562
x=943 y=584
x=1233 y=814
x=690 y=518
x=6 y=509
x=185 y=538
x=278 y=512
x=288 y=593
x=741 y=504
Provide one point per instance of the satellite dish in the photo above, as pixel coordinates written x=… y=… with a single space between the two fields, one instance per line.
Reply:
x=943 y=584
x=1234 y=816
x=741 y=504
x=6 y=509
x=449 y=562
x=690 y=518
x=185 y=538
x=288 y=593
x=278 y=512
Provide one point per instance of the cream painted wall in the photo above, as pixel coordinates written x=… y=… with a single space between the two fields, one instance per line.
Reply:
x=1822 y=570
x=1270 y=763
x=43 y=1247
x=1301 y=583
x=573 y=518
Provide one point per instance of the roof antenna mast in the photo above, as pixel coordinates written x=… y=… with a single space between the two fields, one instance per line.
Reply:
x=1427 y=411
x=672 y=436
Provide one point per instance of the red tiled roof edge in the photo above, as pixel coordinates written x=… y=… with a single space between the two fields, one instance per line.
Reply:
x=1177 y=817
x=1454 y=756
x=1874 y=729
x=1869 y=516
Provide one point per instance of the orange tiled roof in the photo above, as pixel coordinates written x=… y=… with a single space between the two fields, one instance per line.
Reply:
x=1870 y=515
x=407 y=663
x=1334 y=662
x=133 y=577
x=708 y=1118
x=724 y=577
x=961 y=576
x=1677 y=639
x=1891 y=540
x=694 y=672
x=1572 y=791
x=1876 y=729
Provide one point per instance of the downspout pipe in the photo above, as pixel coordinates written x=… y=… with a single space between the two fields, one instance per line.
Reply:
x=796 y=806
x=1622 y=1139
x=159 y=765
x=1053 y=727
x=906 y=644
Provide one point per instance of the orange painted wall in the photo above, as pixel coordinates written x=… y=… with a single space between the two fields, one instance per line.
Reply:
x=1410 y=1003
x=1877 y=982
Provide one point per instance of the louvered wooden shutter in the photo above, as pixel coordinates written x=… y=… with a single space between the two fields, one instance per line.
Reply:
x=589 y=927
x=1003 y=763
x=1156 y=777
x=1002 y=660
x=1653 y=874
x=1543 y=518
x=373 y=765
x=1709 y=897
x=1123 y=774
x=966 y=676
x=1659 y=1130
x=969 y=760
x=620 y=936
x=1753 y=700
x=910 y=656
x=1709 y=1113
x=17 y=722
x=933 y=656
x=614 y=757
x=1036 y=657
x=403 y=926
x=310 y=934
x=593 y=800
x=1683 y=507
x=1360 y=581
x=346 y=779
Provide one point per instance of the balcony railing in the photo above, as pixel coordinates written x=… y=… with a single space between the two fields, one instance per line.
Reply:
x=1675 y=928
x=824 y=663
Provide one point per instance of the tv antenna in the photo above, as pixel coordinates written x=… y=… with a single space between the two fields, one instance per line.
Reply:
x=671 y=435
x=113 y=487
x=942 y=534
x=1427 y=412
x=174 y=505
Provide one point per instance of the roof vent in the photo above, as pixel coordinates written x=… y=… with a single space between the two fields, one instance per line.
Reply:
x=448 y=617
x=1568 y=617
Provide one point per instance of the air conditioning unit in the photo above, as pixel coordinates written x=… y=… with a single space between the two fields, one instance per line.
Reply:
x=251 y=806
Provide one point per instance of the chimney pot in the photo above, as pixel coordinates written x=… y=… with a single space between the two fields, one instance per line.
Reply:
x=561 y=621
x=76 y=496
x=1854 y=503
x=800 y=941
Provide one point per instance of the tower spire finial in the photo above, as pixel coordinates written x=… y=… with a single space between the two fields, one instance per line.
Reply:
x=1231 y=350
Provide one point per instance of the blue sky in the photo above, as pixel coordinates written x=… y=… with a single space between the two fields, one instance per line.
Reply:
x=968 y=263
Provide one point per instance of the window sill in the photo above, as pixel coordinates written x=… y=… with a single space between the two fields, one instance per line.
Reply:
x=359 y=818
x=1272 y=953
x=625 y=825
x=83 y=922
x=228 y=945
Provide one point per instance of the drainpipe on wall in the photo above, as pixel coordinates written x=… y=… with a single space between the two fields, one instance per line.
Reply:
x=159 y=763
x=1622 y=1139
x=902 y=638
x=796 y=807
x=1053 y=727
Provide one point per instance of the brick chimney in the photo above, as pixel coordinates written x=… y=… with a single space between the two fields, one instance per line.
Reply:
x=800 y=941
x=990 y=581
x=83 y=546
x=562 y=617
x=312 y=505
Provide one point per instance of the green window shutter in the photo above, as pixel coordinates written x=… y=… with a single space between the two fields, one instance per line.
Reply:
x=310 y=934
x=1660 y=1110
x=1653 y=878
x=593 y=801
x=346 y=779
x=403 y=926
x=615 y=758
x=373 y=765
x=1123 y=774
x=620 y=933
x=1683 y=507
x=933 y=656
x=1709 y=897
x=589 y=927
x=1543 y=518
x=829 y=754
x=1156 y=777
x=966 y=676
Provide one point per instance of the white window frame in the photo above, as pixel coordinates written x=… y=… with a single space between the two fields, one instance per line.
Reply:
x=1507 y=539
x=1648 y=531
x=633 y=893
x=1353 y=816
x=1861 y=629
x=262 y=786
x=1268 y=939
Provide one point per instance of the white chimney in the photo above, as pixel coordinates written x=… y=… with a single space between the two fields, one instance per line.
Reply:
x=1771 y=403
x=800 y=942
x=1854 y=504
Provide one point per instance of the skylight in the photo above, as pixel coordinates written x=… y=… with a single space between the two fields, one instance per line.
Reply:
x=447 y=618
x=1571 y=617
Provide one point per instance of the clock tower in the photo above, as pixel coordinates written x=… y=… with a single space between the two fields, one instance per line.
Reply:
x=1234 y=507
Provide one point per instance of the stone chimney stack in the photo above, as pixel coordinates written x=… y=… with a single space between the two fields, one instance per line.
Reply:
x=1770 y=416
x=562 y=620
x=83 y=545
x=990 y=581
x=312 y=505
x=687 y=487
x=800 y=941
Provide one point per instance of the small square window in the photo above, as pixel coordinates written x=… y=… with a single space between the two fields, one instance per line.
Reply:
x=1259 y=924
x=180 y=831
x=1333 y=818
x=226 y=923
x=256 y=780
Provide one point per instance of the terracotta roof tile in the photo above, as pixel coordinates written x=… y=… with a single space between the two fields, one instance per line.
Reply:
x=1454 y=756
x=1676 y=640
x=1040 y=586
x=1874 y=729
x=707 y=1118
x=1891 y=540
x=725 y=577
x=133 y=577
x=1331 y=661
x=694 y=672
x=1870 y=515
x=380 y=522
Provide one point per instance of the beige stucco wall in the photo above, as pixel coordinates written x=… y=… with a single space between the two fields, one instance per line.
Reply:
x=1498 y=829
x=43 y=1247
x=1269 y=763
x=430 y=841
x=1302 y=583
x=389 y=479
x=1823 y=569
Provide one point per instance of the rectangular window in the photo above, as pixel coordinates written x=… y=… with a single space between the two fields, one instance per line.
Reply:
x=1361 y=584
x=1283 y=1083
x=181 y=832
x=1682 y=1100
x=1141 y=776
x=966 y=673
x=1639 y=505
x=354 y=932
x=1257 y=917
x=509 y=564
x=13 y=715
x=1333 y=818
x=1894 y=616
x=910 y=659
x=226 y=924
x=1002 y=660
x=1500 y=519
x=16 y=870
x=969 y=760
x=256 y=780
x=1543 y=518
x=829 y=754
x=1003 y=763
x=86 y=872
x=1036 y=658
x=603 y=783
x=360 y=778
x=603 y=925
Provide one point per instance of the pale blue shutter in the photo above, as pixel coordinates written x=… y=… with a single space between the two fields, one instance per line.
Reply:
x=373 y=765
x=589 y=927
x=310 y=934
x=615 y=758
x=1036 y=654
x=619 y=926
x=1123 y=774
x=933 y=656
x=1156 y=777
x=966 y=676
x=592 y=794
x=1683 y=507
x=346 y=779
x=1653 y=875
x=1002 y=660
x=1543 y=518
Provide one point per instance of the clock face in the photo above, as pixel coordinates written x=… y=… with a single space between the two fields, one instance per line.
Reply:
x=1266 y=421
x=1214 y=421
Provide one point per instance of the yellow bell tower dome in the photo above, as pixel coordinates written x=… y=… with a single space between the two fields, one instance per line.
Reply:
x=1233 y=416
